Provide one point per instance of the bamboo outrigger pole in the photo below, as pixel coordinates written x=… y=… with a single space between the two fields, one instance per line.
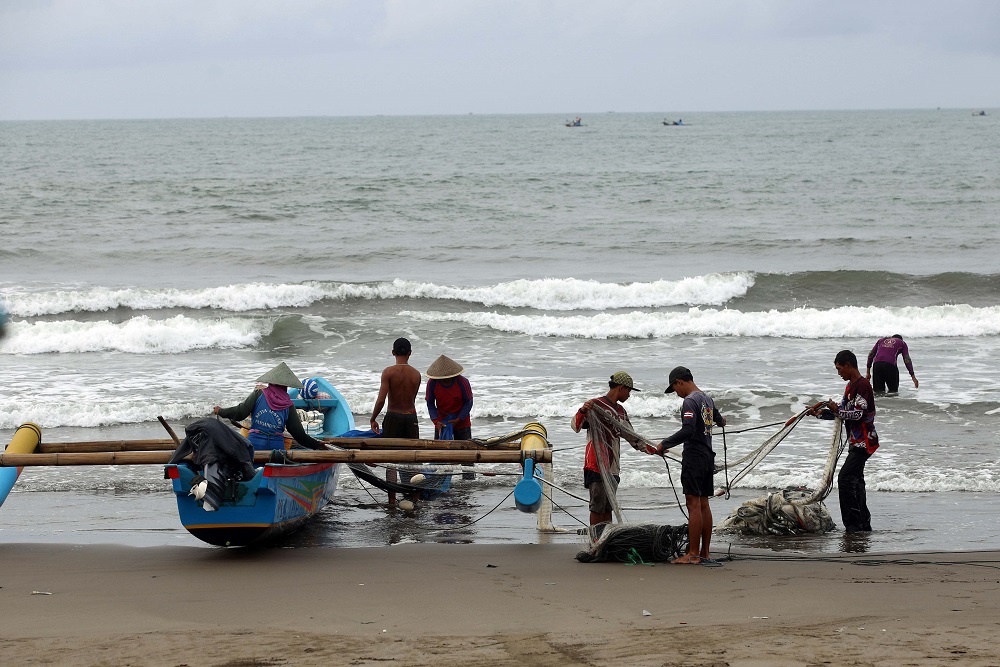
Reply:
x=346 y=443
x=106 y=446
x=295 y=455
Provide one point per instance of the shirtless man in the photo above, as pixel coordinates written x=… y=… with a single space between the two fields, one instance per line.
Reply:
x=400 y=384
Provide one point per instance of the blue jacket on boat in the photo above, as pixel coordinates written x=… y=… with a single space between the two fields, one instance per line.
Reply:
x=267 y=426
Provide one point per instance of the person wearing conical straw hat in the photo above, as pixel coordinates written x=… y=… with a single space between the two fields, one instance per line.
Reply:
x=449 y=402
x=271 y=412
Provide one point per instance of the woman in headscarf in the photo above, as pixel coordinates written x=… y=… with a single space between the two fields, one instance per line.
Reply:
x=271 y=412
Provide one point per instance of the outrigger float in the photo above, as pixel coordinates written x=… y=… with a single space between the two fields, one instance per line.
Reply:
x=286 y=487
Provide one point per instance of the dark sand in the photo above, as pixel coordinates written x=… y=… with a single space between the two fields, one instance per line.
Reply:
x=440 y=604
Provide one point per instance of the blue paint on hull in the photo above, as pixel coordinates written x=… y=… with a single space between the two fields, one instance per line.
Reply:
x=273 y=503
x=279 y=498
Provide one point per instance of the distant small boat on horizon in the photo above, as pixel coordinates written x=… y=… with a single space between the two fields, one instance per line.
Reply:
x=679 y=121
x=576 y=122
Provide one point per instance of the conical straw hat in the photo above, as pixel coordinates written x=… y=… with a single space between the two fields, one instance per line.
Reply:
x=281 y=375
x=444 y=368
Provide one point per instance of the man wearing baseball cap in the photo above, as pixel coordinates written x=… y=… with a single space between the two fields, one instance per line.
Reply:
x=698 y=416
x=608 y=448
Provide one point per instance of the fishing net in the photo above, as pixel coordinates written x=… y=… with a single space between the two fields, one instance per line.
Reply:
x=624 y=542
x=791 y=511
x=637 y=544
x=794 y=510
x=780 y=513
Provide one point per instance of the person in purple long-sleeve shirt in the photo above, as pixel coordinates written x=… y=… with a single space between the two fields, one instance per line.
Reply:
x=882 y=360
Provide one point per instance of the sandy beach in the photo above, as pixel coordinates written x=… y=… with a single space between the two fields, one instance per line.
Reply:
x=440 y=604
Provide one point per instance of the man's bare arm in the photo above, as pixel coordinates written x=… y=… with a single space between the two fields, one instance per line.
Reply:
x=383 y=392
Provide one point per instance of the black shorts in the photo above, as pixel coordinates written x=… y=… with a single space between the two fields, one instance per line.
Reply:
x=885 y=376
x=697 y=475
x=399 y=425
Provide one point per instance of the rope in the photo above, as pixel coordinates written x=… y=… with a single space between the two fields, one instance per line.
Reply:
x=670 y=478
x=753 y=428
x=474 y=521
x=867 y=562
x=568 y=513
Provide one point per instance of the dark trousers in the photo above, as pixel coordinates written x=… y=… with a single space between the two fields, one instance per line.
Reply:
x=851 y=481
x=461 y=433
x=885 y=375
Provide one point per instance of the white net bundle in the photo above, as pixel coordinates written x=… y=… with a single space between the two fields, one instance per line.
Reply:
x=792 y=511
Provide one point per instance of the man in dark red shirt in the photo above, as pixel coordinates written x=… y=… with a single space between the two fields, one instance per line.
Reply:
x=857 y=410
x=449 y=398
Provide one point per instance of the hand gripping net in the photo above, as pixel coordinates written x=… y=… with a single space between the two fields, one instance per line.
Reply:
x=625 y=542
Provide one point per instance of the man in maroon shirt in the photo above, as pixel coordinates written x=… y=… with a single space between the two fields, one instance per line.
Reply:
x=857 y=410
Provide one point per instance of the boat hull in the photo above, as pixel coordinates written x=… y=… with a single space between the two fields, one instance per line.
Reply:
x=279 y=499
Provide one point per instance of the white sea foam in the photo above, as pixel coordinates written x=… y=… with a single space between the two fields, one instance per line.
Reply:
x=91 y=412
x=573 y=294
x=235 y=298
x=850 y=321
x=138 y=335
x=546 y=294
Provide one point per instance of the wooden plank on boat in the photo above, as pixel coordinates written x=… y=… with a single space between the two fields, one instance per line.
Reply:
x=297 y=455
x=405 y=443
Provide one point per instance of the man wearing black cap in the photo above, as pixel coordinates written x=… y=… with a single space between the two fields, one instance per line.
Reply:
x=400 y=384
x=698 y=416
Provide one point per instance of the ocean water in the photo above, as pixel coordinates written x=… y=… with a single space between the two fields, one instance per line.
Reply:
x=158 y=267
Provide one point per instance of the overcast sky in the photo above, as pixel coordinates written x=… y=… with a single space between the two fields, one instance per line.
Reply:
x=207 y=58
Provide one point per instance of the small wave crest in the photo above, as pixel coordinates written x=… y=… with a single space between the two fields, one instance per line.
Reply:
x=138 y=335
x=558 y=294
x=90 y=412
x=234 y=298
x=930 y=322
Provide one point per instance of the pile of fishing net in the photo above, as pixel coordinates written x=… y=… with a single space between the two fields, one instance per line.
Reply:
x=789 y=512
x=637 y=543
x=792 y=511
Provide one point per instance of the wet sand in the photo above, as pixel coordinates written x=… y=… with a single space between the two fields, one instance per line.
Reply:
x=448 y=604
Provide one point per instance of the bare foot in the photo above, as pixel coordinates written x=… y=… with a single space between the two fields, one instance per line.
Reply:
x=687 y=559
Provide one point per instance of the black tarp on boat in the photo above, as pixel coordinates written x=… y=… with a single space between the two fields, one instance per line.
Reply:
x=221 y=454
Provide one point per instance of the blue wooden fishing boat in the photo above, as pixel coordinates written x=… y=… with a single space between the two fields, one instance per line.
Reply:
x=280 y=497
x=256 y=504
